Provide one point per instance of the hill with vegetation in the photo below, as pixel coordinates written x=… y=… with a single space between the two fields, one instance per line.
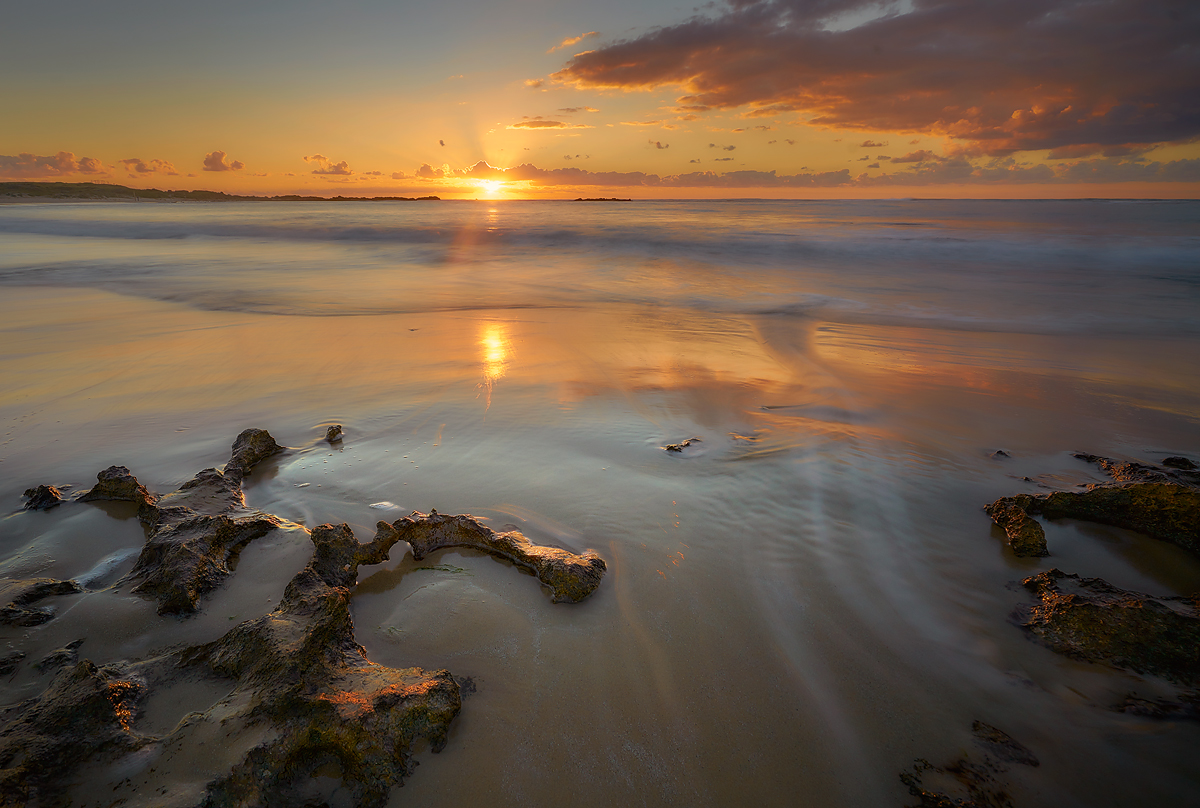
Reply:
x=101 y=191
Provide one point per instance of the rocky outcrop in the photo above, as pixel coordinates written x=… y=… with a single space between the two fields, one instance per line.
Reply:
x=570 y=577
x=196 y=528
x=1090 y=619
x=83 y=714
x=117 y=484
x=22 y=594
x=334 y=433
x=1160 y=502
x=42 y=498
x=968 y=782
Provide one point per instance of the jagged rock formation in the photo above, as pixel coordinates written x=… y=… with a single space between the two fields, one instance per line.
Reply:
x=334 y=433
x=1160 y=502
x=968 y=783
x=115 y=483
x=1090 y=619
x=42 y=498
x=570 y=577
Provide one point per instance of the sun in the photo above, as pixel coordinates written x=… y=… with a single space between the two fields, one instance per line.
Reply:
x=491 y=187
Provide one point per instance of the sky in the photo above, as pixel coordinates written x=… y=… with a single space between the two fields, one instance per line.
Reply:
x=649 y=99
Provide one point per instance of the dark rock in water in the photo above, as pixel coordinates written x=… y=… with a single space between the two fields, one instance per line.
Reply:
x=968 y=783
x=1025 y=536
x=195 y=529
x=999 y=454
x=22 y=594
x=1161 y=503
x=10 y=661
x=67 y=655
x=249 y=449
x=570 y=577
x=679 y=447
x=42 y=498
x=334 y=433
x=116 y=483
x=1177 y=462
x=1090 y=619
x=1187 y=708
x=84 y=713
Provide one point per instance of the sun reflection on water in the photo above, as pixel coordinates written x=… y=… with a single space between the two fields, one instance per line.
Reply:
x=496 y=351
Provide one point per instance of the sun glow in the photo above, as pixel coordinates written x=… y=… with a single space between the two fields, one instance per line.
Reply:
x=491 y=187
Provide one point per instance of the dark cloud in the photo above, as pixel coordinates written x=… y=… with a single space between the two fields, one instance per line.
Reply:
x=873 y=165
x=722 y=159
x=138 y=166
x=994 y=77
x=870 y=144
x=538 y=122
x=399 y=175
x=573 y=110
x=215 y=161
x=328 y=167
x=428 y=172
x=27 y=165
x=658 y=144
x=920 y=156
x=441 y=143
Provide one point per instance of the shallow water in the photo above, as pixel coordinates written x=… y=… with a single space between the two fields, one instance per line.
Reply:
x=797 y=606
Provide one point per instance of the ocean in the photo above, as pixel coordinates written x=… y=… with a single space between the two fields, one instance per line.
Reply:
x=799 y=605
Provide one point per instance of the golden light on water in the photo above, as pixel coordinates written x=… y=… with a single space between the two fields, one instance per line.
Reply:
x=496 y=349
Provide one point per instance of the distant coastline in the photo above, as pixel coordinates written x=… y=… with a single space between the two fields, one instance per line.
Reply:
x=100 y=192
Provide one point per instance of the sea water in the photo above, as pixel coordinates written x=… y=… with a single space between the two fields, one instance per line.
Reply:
x=797 y=606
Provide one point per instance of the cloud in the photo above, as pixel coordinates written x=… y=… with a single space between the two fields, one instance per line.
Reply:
x=139 y=166
x=722 y=159
x=399 y=175
x=441 y=143
x=694 y=161
x=538 y=122
x=27 y=165
x=573 y=110
x=428 y=172
x=870 y=144
x=328 y=167
x=215 y=161
x=572 y=40
x=919 y=156
x=873 y=165
x=640 y=123
x=789 y=141
x=533 y=84
x=994 y=79
x=658 y=144
x=372 y=174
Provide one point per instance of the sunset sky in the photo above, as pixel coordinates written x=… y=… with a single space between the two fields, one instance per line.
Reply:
x=560 y=98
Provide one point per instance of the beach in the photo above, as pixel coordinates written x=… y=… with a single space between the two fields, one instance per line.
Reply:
x=797 y=606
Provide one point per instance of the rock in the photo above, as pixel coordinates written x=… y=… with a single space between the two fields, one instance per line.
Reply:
x=968 y=783
x=570 y=577
x=1162 y=504
x=1090 y=619
x=10 y=661
x=334 y=433
x=1025 y=536
x=999 y=454
x=67 y=655
x=22 y=594
x=250 y=448
x=300 y=668
x=116 y=483
x=1177 y=462
x=84 y=713
x=42 y=498
x=679 y=447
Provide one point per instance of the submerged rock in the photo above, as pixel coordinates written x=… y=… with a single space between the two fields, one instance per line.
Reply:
x=570 y=577
x=67 y=655
x=117 y=484
x=968 y=783
x=679 y=447
x=1090 y=619
x=1161 y=503
x=334 y=433
x=10 y=661
x=21 y=594
x=1177 y=462
x=1187 y=708
x=42 y=498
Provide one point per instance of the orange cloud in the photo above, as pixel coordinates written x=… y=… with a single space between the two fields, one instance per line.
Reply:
x=215 y=161
x=572 y=40
x=26 y=165
x=139 y=166
x=327 y=166
x=538 y=122
x=1053 y=74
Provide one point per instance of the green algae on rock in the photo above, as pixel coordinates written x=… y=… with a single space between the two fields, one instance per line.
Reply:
x=1160 y=502
x=1092 y=620
x=570 y=577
